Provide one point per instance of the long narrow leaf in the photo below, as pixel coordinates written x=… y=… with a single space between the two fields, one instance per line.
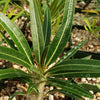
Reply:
x=12 y=73
x=36 y=29
x=91 y=87
x=14 y=56
x=47 y=27
x=62 y=34
x=31 y=88
x=70 y=53
x=70 y=87
x=5 y=6
x=17 y=36
x=98 y=2
x=53 y=7
x=39 y=10
x=77 y=68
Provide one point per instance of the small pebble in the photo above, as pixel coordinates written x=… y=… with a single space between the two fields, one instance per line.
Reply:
x=89 y=79
x=6 y=97
x=94 y=79
x=16 y=66
x=98 y=94
x=51 y=97
x=91 y=92
x=0 y=63
x=98 y=98
x=83 y=79
x=51 y=88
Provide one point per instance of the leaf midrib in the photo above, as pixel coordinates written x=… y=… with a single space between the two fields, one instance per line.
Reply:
x=36 y=31
x=69 y=73
x=73 y=65
x=16 y=58
x=70 y=88
x=19 y=41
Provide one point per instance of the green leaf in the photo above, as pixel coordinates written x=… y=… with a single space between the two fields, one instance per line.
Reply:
x=5 y=6
x=18 y=15
x=88 y=24
x=1 y=2
x=31 y=88
x=97 y=28
x=63 y=33
x=56 y=23
x=77 y=68
x=12 y=73
x=58 y=8
x=11 y=13
x=15 y=94
x=98 y=85
x=43 y=57
x=17 y=36
x=70 y=53
x=69 y=86
x=94 y=23
x=14 y=56
x=82 y=54
x=91 y=87
x=98 y=2
x=36 y=30
x=17 y=57
x=53 y=7
x=39 y=9
x=47 y=27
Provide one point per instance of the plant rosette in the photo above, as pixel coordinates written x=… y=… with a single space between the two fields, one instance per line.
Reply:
x=46 y=53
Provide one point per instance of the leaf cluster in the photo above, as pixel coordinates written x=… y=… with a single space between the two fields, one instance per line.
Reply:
x=46 y=53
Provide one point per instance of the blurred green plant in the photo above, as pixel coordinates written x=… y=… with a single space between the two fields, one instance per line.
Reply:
x=40 y=74
x=93 y=29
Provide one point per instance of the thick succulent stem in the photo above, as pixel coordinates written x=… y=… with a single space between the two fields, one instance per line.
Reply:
x=41 y=91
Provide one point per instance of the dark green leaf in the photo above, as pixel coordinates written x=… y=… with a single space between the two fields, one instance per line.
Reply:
x=12 y=73
x=47 y=27
x=43 y=57
x=91 y=87
x=17 y=57
x=36 y=30
x=70 y=53
x=31 y=88
x=77 y=68
x=98 y=2
x=17 y=36
x=53 y=7
x=69 y=86
x=82 y=54
x=14 y=56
